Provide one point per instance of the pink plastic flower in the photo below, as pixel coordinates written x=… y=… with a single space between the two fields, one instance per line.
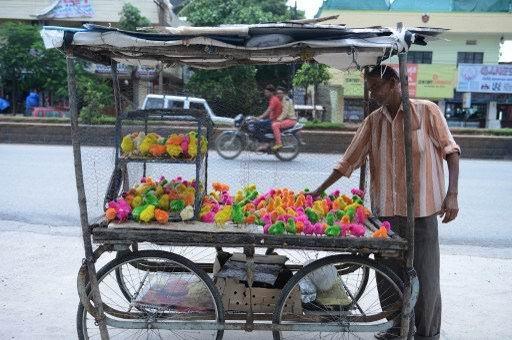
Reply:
x=319 y=228
x=357 y=229
x=358 y=192
x=266 y=227
x=361 y=217
x=386 y=225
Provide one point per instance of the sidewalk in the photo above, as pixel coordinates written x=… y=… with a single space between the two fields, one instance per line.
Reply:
x=38 y=289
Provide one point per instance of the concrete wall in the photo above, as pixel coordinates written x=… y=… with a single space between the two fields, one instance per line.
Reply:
x=335 y=142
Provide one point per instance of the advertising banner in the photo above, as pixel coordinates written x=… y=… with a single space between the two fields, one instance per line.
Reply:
x=485 y=78
x=425 y=81
x=62 y=9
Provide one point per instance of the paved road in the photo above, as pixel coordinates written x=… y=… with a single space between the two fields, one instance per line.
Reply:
x=38 y=187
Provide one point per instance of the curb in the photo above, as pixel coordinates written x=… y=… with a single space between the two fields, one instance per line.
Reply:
x=332 y=142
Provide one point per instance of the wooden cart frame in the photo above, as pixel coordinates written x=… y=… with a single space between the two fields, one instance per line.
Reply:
x=110 y=239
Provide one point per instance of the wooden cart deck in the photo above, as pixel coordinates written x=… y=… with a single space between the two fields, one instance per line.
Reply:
x=211 y=235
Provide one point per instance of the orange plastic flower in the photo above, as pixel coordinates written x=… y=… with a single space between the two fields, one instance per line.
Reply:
x=261 y=205
x=250 y=219
x=110 y=214
x=175 y=139
x=189 y=198
x=161 y=216
x=249 y=207
x=157 y=150
x=220 y=186
x=345 y=219
x=299 y=226
x=346 y=199
x=381 y=233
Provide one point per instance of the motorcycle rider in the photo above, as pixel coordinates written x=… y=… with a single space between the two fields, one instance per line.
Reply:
x=273 y=111
x=286 y=119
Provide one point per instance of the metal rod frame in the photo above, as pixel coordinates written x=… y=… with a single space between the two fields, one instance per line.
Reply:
x=409 y=254
x=82 y=203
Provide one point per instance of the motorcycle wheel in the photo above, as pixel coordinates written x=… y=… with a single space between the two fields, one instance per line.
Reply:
x=290 y=149
x=229 y=145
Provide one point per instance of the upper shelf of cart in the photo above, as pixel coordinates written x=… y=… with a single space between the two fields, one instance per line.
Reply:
x=214 y=47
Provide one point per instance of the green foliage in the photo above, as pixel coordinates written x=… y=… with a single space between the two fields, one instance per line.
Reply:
x=25 y=63
x=318 y=125
x=130 y=18
x=229 y=92
x=216 y=12
x=95 y=94
x=311 y=74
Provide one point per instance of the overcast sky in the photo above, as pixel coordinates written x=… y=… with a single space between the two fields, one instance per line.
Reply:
x=310 y=7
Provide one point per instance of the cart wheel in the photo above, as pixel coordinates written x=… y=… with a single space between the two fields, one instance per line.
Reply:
x=364 y=313
x=201 y=256
x=163 y=287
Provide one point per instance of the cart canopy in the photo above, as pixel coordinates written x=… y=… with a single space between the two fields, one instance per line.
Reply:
x=214 y=47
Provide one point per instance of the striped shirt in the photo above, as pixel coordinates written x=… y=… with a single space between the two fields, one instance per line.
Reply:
x=381 y=138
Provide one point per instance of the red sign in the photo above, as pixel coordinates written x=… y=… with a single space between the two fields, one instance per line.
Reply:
x=412 y=73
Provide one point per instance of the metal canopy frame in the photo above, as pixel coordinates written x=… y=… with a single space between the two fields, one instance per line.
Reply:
x=109 y=55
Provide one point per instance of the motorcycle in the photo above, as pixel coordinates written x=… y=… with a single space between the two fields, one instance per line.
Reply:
x=230 y=144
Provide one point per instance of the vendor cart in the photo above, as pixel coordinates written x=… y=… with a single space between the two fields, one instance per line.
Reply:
x=156 y=286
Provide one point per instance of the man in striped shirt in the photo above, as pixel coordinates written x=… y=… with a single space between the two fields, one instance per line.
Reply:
x=381 y=138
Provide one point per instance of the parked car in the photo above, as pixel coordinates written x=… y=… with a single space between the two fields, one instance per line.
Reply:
x=159 y=101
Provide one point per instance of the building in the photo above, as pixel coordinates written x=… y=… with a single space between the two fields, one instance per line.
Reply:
x=105 y=12
x=476 y=31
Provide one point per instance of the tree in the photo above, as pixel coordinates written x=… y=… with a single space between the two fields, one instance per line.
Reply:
x=26 y=64
x=223 y=91
x=311 y=74
x=130 y=19
x=17 y=58
x=216 y=12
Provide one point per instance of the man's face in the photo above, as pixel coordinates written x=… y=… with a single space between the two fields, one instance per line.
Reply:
x=380 y=89
x=267 y=93
x=280 y=94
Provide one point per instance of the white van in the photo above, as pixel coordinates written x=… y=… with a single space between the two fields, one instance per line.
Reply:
x=159 y=101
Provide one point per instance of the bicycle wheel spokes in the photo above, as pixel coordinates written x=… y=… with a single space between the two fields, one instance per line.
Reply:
x=363 y=297
x=157 y=287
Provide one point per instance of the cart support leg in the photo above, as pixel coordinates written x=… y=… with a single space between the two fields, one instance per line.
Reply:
x=249 y=261
x=404 y=83
x=86 y=233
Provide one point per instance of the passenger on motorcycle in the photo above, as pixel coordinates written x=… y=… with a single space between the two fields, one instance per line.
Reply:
x=285 y=120
x=273 y=111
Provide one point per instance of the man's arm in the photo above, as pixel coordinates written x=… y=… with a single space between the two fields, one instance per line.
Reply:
x=450 y=207
x=333 y=177
x=353 y=157
x=264 y=114
x=442 y=138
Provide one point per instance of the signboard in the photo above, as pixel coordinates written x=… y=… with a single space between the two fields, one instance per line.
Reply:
x=485 y=78
x=143 y=72
x=412 y=72
x=62 y=9
x=353 y=84
x=425 y=81
x=435 y=81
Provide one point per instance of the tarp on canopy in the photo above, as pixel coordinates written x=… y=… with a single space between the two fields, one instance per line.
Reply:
x=212 y=47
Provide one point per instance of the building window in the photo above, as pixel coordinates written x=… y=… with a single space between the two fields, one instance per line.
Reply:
x=470 y=57
x=419 y=57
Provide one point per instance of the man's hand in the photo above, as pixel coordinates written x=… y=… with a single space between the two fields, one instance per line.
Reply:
x=450 y=207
